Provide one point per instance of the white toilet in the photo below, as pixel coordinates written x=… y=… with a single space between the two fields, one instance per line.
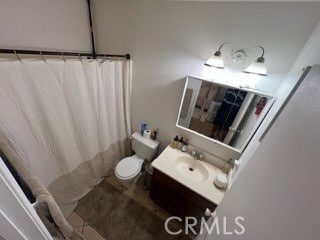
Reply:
x=128 y=170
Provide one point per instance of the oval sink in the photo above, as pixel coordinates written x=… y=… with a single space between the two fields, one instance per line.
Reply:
x=191 y=169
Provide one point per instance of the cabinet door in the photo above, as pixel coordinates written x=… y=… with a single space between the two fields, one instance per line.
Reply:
x=177 y=199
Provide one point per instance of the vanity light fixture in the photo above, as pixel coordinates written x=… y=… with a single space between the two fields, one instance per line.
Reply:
x=216 y=60
x=257 y=67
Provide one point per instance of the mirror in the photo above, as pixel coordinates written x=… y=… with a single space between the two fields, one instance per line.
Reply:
x=222 y=113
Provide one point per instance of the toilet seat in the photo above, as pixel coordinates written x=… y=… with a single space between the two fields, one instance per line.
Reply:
x=128 y=167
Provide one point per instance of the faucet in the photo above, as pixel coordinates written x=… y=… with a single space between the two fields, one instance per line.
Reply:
x=196 y=155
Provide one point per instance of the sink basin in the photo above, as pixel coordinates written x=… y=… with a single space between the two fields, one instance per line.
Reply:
x=191 y=169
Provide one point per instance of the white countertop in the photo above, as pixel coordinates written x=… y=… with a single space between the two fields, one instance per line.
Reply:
x=206 y=189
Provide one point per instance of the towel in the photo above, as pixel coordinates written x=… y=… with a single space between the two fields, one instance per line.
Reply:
x=186 y=103
x=212 y=111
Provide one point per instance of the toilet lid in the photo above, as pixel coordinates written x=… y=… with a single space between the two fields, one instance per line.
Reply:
x=128 y=167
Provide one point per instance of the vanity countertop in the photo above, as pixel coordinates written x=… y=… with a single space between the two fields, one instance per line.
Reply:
x=165 y=163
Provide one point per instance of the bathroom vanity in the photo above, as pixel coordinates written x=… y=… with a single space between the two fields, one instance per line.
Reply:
x=224 y=113
x=184 y=186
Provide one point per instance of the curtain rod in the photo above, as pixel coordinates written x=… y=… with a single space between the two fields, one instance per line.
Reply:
x=57 y=53
x=93 y=54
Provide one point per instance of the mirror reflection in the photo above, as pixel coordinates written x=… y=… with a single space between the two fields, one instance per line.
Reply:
x=227 y=114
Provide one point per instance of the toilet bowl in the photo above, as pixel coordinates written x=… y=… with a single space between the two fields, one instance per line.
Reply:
x=129 y=169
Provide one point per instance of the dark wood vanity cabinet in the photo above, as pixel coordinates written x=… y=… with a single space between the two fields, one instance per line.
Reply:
x=177 y=199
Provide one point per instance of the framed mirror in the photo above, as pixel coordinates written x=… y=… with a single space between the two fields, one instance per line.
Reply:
x=226 y=114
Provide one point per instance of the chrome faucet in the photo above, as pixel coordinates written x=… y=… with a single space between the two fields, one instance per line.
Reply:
x=196 y=155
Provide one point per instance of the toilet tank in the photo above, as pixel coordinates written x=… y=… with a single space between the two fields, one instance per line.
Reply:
x=145 y=148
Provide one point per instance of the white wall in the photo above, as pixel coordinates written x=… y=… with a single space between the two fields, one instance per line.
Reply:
x=167 y=40
x=268 y=192
x=171 y=39
x=309 y=55
x=278 y=191
x=44 y=24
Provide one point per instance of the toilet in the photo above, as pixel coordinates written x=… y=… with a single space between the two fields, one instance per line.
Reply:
x=128 y=170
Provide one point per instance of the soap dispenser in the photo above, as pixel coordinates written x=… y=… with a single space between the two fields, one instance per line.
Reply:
x=180 y=143
x=175 y=142
x=184 y=147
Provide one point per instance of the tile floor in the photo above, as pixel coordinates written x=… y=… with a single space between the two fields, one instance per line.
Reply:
x=137 y=193
x=140 y=195
x=84 y=228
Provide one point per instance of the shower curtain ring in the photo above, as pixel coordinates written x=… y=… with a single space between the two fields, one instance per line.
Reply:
x=63 y=58
x=17 y=56
x=43 y=59
x=79 y=57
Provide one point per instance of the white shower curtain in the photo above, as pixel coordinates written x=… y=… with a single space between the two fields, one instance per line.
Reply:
x=68 y=120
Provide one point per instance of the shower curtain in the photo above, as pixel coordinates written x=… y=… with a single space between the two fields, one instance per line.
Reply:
x=68 y=120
